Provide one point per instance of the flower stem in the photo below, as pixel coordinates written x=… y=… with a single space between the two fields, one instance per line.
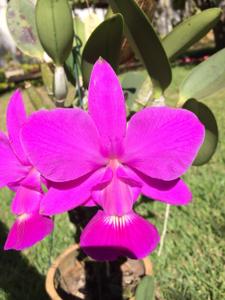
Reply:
x=163 y=236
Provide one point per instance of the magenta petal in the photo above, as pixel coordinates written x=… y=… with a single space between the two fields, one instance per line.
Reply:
x=89 y=203
x=13 y=186
x=11 y=169
x=63 y=144
x=109 y=237
x=118 y=197
x=27 y=231
x=106 y=105
x=162 y=142
x=62 y=197
x=26 y=201
x=33 y=180
x=174 y=192
x=16 y=117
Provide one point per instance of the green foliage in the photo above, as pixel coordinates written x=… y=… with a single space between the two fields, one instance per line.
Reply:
x=205 y=79
x=84 y=28
x=70 y=66
x=145 y=42
x=190 y=31
x=145 y=289
x=105 y=41
x=21 y=23
x=137 y=88
x=55 y=28
x=47 y=77
x=207 y=118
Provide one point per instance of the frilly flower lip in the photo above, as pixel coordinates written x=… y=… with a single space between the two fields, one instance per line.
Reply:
x=18 y=174
x=96 y=158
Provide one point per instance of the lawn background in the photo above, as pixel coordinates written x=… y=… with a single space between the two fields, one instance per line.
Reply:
x=191 y=266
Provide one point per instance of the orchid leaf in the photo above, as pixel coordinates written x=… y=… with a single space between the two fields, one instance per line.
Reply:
x=205 y=79
x=70 y=66
x=105 y=41
x=190 y=31
x=137 y=89
x=207 y=118
x=145 y=42
x=55 y=28
x=21 y=23
x=84 y=27
x=146 y=289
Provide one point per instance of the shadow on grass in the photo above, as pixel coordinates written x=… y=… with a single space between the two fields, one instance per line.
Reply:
x=18 y=279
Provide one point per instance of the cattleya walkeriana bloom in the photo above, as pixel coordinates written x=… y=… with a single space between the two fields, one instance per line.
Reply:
x=17 y=173
x=96 y=158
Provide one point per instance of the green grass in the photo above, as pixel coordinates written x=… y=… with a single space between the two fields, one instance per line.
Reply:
x=191 y=266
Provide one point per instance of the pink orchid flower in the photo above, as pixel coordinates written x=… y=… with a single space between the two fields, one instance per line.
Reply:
x=17 y=173
x=96 y=158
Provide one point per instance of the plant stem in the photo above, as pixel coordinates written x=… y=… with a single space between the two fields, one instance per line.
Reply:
x=166 y=218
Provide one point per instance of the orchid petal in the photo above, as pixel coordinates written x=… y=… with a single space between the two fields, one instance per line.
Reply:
x=26 y=201
x=109 y=237
x=117 y=198
x=11 y=169
x=33 y=180
x=89 y=203
x=174 y=192
x=63 y=144
x=62 y=197
x=106 y=105
x=162 y=142
x=27 y=231
x=16 y=117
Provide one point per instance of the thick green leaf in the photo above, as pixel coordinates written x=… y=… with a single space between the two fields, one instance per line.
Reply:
x=205 y=79
x=21 y=23
x=84 y=28
x=137 y=88
x=211 y=130
x=70 y=66
x=55 y=28
x=190 y=31
x=105 y=41
x=146 y=289
x=144 y=42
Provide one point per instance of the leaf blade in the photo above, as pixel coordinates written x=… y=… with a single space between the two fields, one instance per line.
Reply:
x=144 y=42
x=190 y=31
x=207 y=118
x=105 y=41
x=21 y=23
x=205 y=79
x=55 y=28
x=146 y=289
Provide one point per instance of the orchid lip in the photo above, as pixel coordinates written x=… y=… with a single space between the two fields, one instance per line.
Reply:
x=118 y=221
x=23 y=217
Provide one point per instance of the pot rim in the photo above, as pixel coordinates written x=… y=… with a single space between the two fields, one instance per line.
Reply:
x=49 y=282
